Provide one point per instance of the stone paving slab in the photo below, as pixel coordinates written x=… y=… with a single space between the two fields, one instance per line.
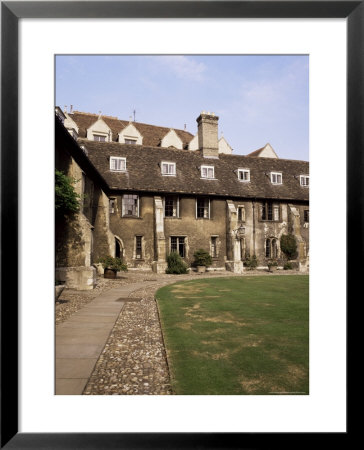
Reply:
x=81 y=339
x=70 y=386
x=74 y=367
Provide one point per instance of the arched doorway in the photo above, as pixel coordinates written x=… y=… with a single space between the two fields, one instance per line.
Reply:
x=119 y=249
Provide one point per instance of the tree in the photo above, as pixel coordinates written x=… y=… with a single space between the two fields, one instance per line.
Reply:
x=289 y=246
x=67 y=201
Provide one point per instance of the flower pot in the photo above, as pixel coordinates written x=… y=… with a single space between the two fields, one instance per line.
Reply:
x=201 y=269
x=110 y=273
x=272 y=268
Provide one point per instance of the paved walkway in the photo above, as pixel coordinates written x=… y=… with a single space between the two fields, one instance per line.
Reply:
x=81 y=339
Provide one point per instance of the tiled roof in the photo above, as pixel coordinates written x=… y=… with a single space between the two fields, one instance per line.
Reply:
x=144 y=172
x=152 y=134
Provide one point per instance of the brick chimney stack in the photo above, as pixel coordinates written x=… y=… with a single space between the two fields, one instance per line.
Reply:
x=208 y=134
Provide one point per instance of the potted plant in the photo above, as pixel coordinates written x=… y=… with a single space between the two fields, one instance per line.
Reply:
x=272 y=265
x=202 y=260
x=112 y=266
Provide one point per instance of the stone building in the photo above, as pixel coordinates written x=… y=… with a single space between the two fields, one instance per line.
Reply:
x=158 y=190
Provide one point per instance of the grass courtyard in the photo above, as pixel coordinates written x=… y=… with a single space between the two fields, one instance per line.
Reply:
x=238 y=335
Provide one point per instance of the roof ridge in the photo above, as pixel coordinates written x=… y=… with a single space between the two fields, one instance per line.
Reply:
x=130 y=121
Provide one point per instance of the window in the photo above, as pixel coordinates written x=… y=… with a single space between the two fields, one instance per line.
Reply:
x=117 y=164
x=130 y=141
x=214 y=246
x=171 y=206
x=138 y=247
x=99 y=138
x=304 y=180
x=271 y=249
x=270 y=211
x=276 y=178
x=207 y=172
x=241 y=213
x=130 y=205
x=168 y=168
x=112 y=205
x=306 y=215
x=178 y=245
x=203 y=208
x=244 y=175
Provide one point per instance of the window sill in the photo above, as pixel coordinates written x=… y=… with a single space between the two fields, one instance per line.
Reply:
x=173 y=218
x=203 y=218
x=131 y=217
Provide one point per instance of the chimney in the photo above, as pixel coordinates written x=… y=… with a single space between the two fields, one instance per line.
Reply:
x=207 y=134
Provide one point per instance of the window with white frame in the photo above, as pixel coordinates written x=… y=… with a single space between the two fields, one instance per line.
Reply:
x=207 y=172
x=117 y=164
x=178 y=244
x=130 y=141
x=203 y=208
x=213 y=246
x=130 y=205
x=304 y=180
x=244 y=175
x=168 y=168
x=270 y=211
x=99 y=138
x=138 y=247
x=276 y=178
x=171 y=206
x=241 y=213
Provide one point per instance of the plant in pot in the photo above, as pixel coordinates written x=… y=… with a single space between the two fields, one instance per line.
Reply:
x=272 y=265
x=202 y=260
x=112 y=266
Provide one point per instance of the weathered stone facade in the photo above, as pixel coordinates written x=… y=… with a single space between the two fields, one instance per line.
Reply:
x=159 y=199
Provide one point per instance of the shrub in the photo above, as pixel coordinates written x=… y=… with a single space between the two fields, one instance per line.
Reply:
x=66 y=199
x=251 y=262
x=289 y=246
x=202 y=258
x=288 y=266
x=272 y=263
x=108 y=262
x=176 y=264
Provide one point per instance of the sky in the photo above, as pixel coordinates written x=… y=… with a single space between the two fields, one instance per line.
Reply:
x=259 y=99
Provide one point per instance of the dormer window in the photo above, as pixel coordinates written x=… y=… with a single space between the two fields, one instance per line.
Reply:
x=244 y=175
x=99 y=138
x=276 y=178
x=168 y=168
x=207 y=172
x=130 y=141
x=304 y=180
x=117 y=164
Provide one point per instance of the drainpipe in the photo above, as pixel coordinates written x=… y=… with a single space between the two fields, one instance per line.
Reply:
x=254 y=226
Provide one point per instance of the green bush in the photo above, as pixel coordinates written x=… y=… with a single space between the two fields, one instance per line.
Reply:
x=176 y=264
x=289 y=246
x=67 y=201
x=272 y=263
x=108 y=262
x=251 y=262
x=202 y=258
x=288 y=266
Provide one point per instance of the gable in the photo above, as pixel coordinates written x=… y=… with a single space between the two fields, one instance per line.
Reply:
x=130 y=133
x=99 y=128
x=171 y=140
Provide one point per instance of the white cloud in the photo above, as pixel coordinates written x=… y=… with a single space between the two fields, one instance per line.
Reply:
x=181 y=66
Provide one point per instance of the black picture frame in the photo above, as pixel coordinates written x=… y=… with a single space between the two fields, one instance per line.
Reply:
x=11 y=12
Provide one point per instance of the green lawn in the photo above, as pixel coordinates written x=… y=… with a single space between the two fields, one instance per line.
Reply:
x=238 y=335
